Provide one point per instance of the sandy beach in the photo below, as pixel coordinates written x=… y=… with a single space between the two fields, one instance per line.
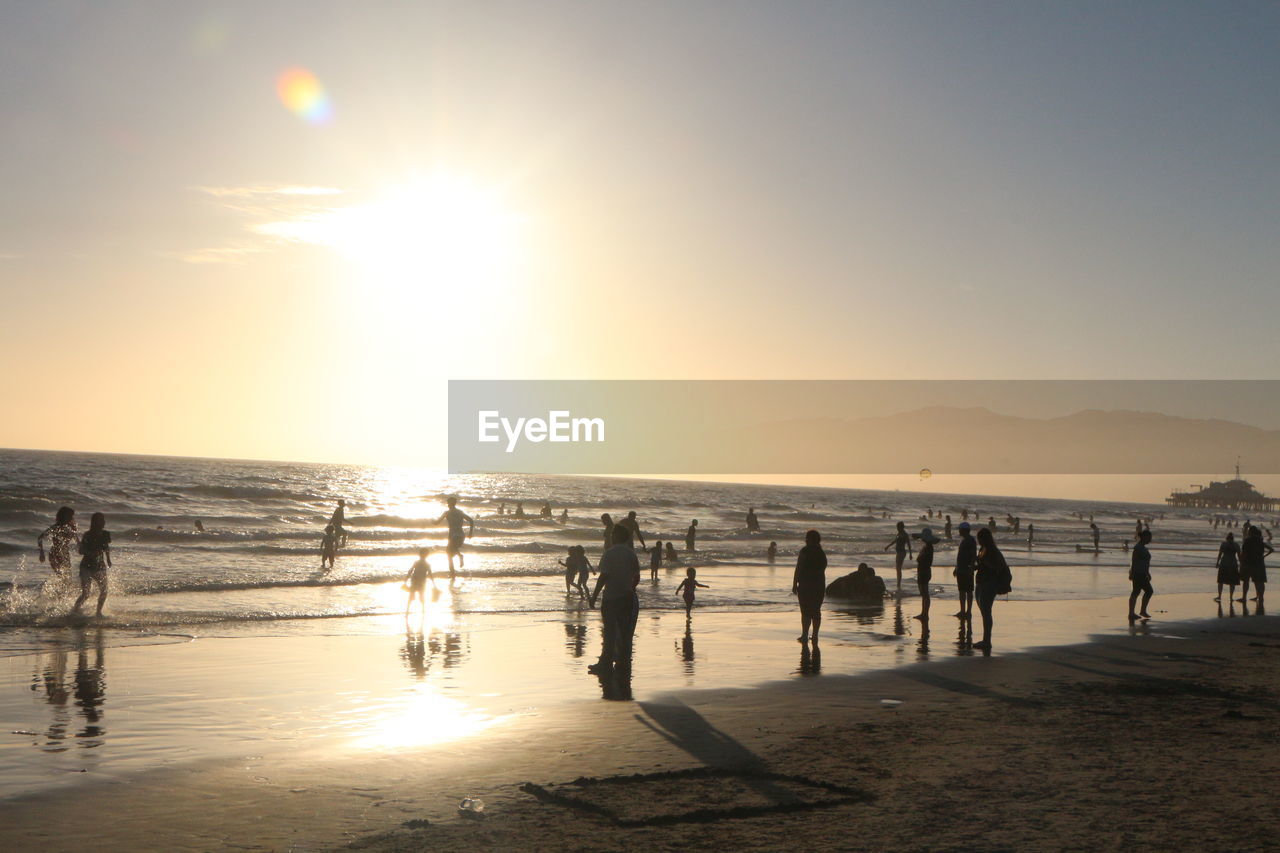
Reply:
x=1153 y=738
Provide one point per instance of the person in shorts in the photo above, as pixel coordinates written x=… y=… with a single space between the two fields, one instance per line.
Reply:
x=454 y=517
x=966 y=560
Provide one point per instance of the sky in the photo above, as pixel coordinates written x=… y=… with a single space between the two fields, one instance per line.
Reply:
x=195 y=262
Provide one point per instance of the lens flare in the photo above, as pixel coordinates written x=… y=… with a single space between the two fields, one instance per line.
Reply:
x=302 y=95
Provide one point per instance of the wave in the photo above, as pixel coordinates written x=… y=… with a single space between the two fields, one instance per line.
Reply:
x=250 y=493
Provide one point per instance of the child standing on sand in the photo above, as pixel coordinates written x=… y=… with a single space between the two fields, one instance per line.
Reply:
x=688 y=587
x=416 y=581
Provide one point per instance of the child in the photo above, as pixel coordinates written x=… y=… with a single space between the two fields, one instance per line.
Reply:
x=688 y=586
x=416 y=581
x=577 y=569
x=655 y=561
x=328 y=546
x=96 y=550
x=672 y=556
x=772 y=553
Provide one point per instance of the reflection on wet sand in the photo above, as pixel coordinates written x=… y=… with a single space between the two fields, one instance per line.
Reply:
x=88 y=686
x=419 y=651
x=810 y=661
x=575 y=629
x=686 y=646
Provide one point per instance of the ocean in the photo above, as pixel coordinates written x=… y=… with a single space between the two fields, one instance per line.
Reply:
x=255 y=568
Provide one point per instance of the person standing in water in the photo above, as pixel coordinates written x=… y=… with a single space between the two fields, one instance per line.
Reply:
x=924 y=570
x=1228 y=566
x=690 y=536
x=62 y=535
x=809 y=585
x=901 y=545
x=672 y=556
x=338 y=520
x=607 y=521
x=416 y=581
x=993 y=573
x=1253 y=564
x=632 y=524
x=1031 y=534
x=946 y=529
x=1097 y=535
x=328 y=547
x=966 y=559
x=655 y=560
x=1140 y=575
x=454 y=518
x=753 y=523
x=577 y=569
x=772 y=553
x=687 y=587
x=95 y=550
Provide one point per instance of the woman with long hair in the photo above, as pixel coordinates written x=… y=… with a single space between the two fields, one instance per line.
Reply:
x=992 y=572
x=901 y=545
x=1228 y=566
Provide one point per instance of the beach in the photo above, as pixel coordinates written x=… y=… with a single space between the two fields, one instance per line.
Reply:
x=1150 y=739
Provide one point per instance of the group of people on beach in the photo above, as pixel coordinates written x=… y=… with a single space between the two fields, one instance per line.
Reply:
x=94 y=548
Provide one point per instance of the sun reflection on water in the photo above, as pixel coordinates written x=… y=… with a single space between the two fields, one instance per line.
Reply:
x=420 y=716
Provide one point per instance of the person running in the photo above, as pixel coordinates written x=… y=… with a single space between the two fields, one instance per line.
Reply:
x=655 y=560
x=577 y=570
x=1253 y=564
x=616 y=591
x=809 y=584
x=607 y=521
x=62 y=535
x=924 y=570
x=966 y=559
x=632 y=524
x=1228 y=566
x=339 y=520
x=454 y=518
x=690 y=536
x=1140 y=575
x=688 y=586
x=416 y=581
x=901 y=545
x=753 y=523
x=328 y=547
x=992 y=576
x=95 y=550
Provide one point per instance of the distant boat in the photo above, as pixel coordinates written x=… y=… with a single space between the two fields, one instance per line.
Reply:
x=1235 y=494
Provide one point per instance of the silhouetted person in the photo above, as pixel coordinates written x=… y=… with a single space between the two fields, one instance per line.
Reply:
x=772 y=553
x=1228 y=566
x=1097 y=535
x=1253 y=565
x=416 y=581
x=454 y=518
x=616 y=590
x=519 y=513
x=655 y=560
x=199 y=526
x=809 y=584
x=607 y=521
x=577 y=570
x=1140 y=575
x=545 y=512
x=993 y=571
x=690 y=536
x=633 y=527
x=901 y=545
x=672 y=556
x=328 y=547
x=687 y=588
x=564 y=516
x=62 y=534
x=924 y=570
x=966 y=564
x=95 y=549
x=946 y=528
x=1031 y=533
x=339 y=520
x=753 y=523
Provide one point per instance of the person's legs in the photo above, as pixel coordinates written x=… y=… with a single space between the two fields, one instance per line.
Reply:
x=102 y=591
x=1244 y=587
x=804 y=624
x=1147 y=592
x=86 y=583
x=898 y=559
x=1219 y=596
x=1261 y=587
x=817 y=621
x=986 y=598
x=1133 y=599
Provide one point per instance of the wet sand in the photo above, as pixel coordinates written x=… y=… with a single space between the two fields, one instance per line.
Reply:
x=1147 y=740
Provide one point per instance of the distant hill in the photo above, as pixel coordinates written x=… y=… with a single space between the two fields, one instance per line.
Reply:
x=975 y=440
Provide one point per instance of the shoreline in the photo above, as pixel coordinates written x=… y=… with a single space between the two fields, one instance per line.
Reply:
x=322 y=796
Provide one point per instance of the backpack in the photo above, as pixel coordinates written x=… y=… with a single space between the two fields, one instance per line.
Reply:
x=1004 y=584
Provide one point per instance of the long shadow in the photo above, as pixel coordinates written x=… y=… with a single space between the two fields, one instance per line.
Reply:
x=967 y=688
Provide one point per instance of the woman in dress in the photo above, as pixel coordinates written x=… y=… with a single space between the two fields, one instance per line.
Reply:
x=1228 y=566
x=809 y=584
